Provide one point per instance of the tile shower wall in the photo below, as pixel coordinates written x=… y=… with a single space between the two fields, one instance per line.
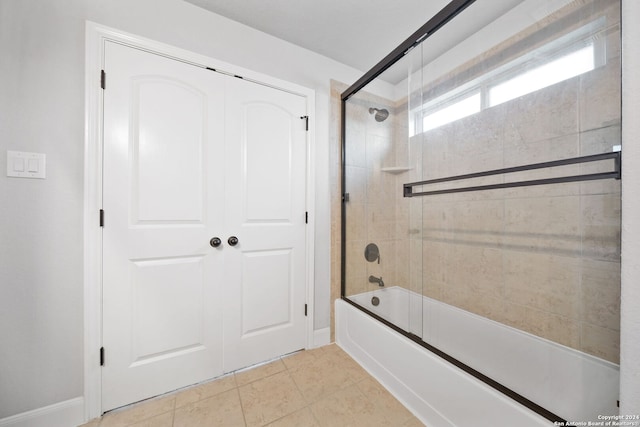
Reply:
x=543 y=259
x=371 y=210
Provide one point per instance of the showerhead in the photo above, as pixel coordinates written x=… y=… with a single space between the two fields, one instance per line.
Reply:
x=381 y=114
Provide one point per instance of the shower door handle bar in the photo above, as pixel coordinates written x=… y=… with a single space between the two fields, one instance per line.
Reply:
x=615 y=174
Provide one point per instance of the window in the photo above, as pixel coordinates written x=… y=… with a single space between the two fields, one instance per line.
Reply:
x=555 y=71
x=566 y=57
x=452 y=112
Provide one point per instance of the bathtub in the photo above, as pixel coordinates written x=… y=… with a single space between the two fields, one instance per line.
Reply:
x=569 y=383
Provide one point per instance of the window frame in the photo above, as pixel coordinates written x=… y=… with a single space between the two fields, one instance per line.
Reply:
x=551 y=51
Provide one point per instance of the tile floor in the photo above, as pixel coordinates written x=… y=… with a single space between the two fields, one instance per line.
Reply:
x=314 y=388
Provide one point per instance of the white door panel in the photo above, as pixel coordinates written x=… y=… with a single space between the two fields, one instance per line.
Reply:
x=161 y=279
x=264 y=310
x=167 y=319
x=267 y=152
x=270 y=307
x=157 y=143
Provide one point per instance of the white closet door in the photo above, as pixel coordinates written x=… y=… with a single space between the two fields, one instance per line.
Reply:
x=190 y=154
x=265 y=171
x=163 y=150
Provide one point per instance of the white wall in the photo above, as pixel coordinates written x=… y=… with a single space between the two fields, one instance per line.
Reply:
x=42 y=110
x=41 y=235
x=630 y=308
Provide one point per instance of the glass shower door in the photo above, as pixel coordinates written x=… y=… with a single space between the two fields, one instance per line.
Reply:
x=482 y=209
x=381 y=245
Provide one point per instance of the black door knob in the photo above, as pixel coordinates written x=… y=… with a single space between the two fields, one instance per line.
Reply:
x=215 y=242
x=233 y=240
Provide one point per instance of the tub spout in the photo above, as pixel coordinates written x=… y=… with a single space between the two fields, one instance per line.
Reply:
x=378 y=280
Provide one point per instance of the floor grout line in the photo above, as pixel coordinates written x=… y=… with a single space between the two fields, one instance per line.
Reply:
x=244 y=416
x=326 y=359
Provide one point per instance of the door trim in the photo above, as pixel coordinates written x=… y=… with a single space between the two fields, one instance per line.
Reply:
x=96 y=36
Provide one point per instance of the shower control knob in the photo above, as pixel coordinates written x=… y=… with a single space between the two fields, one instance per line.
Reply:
x=233 y=240
x=215 y=242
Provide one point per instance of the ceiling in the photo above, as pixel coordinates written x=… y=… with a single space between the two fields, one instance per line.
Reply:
x=358 y=33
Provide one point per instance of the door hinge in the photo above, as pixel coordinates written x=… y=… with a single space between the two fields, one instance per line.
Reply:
x=101 y=356
x=306 y=122
x=101 y=217
x=306 y=217
x=103 y=79
x=345 y=197
x=305 y=309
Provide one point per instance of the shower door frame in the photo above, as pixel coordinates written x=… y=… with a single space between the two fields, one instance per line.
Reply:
x=450 y=11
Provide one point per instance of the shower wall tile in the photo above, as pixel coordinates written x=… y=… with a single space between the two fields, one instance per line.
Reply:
x=475 y=136
x=403 y=264
x=600 y=140
x=356 y=270
x=554 y=327
x=474 y=268
x=601 y=342
x=417 y=151
x=380 y=151
x=357 y=230
x=610 y=10
x=434 y=290
x=545 y=224
x=612 y=34
x=381 y=188
x=355 y=148
x=357 y=111
x=416 y=265
x=383 y=129
x=521 y=152
x=600 y=217
x=479 y=160
x=380 y=221
x=402 y=224
x=600 y=300
x=547 y=113
x=599 y=99
x=478 y=222
x=437 y=221
x=356 y=184
x=547 y=282
x=436 y=152
x=481 y=304
x=403 y=155
x=437 y=261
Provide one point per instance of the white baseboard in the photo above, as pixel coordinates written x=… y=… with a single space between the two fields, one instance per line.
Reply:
x=69 y=413
x=321 y=337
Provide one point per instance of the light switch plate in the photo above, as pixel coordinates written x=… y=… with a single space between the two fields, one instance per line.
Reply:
x=21 y=164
